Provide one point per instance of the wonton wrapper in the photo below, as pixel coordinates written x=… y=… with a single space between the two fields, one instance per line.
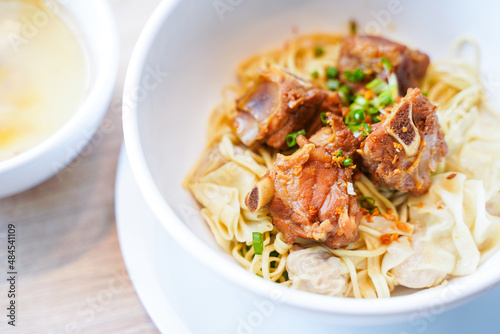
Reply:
x=474 y=149
x=453 y=233
x=222 y=194
x=317 y=270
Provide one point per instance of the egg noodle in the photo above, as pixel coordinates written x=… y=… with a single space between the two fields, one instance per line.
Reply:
x=228 y=170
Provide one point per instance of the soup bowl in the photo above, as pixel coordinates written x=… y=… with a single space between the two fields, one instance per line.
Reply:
x=93 y=24
x=189 y=51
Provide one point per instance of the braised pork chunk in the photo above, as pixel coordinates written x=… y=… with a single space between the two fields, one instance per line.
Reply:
x=337 y=136
x=403 y=151
x=280 y=103
x=310 y=194
x=366 y=53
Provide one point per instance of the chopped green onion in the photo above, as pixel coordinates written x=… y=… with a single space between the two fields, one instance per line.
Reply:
x=361 y=101
x=354 y=76
x=332 y=72
x=345 y=92
x=315 y=74
x=355 y=129
x=324 y=119
x=355 y=106
x=372 y=111
x=258 y=242
x=355 y=117
x=344 y=89
x=353 y=27
x=425 y=94
x=333 y=84
x=366 y=130
x=377 y=86
x=291 y=139
x=359 y=116
x=385 y=98
x=347 y=162
x=387 y=65
x=376 y=119
x=367 y=203
x=366 y=199
x=339 y=153
x=393 y=84
x=319 y=51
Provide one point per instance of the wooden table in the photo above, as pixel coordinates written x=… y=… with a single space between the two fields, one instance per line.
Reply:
x=71 y=275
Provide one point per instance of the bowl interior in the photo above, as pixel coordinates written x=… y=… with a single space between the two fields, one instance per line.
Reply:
x=93 y=25
x=194 y=53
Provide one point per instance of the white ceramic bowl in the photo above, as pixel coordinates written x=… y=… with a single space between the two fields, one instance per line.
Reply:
x=189 y=51
x=94 y=21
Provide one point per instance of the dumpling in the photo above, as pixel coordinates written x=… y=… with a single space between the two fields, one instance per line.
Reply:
x=475 y=151
x=222 y=192
x=453 y=232
x=317 y=270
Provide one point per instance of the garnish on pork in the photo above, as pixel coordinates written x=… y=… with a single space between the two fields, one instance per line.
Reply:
x=364 y=57
x=310 y=194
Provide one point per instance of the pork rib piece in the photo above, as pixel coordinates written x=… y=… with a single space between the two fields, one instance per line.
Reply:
x=366 y=52
x=403 y=151
x=280 y=103
x=310 y=193
x=337 y=136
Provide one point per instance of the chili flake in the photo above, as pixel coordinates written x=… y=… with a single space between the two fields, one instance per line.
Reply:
x=386 y=239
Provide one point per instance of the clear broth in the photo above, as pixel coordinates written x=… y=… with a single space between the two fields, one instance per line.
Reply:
x=44 y=74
